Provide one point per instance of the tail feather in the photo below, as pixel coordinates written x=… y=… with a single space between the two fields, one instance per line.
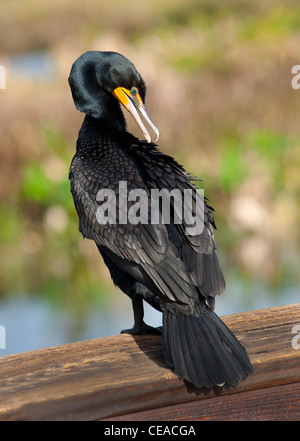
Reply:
x=195 y=359
x=210 y=358
x=203 y=351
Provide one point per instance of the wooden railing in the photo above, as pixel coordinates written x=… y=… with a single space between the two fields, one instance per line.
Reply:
x=126 y=378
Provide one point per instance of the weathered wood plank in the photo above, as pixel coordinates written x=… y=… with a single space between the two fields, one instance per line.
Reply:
x=123 y=375
x=278 y=403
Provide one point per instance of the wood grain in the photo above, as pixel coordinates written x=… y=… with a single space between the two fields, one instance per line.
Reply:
x=127 y=377
x=278 y=403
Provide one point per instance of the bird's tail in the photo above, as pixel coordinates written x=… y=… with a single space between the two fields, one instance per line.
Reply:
x=203 y=351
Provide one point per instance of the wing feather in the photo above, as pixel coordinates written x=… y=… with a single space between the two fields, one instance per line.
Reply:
x=177 y=270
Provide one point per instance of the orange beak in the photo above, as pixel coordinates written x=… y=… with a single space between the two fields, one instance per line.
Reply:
x=133 y=103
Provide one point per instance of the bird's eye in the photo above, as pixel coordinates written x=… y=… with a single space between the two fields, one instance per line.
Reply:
x=133 y=91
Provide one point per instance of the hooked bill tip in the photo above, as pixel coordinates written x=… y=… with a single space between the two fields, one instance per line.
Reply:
x=151 y=125
x=157 y=134
x=148 y=137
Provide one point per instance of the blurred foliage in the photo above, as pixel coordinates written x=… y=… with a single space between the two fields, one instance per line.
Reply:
x=219 y=88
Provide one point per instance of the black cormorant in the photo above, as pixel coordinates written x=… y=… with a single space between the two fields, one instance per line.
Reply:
x=176 y=272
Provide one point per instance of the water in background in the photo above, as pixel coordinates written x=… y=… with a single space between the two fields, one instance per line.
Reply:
x=33 y=323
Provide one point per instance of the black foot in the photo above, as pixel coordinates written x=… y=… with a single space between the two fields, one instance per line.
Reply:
x=143 y=329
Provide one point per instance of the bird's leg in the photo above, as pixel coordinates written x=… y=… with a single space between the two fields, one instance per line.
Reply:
x=140 y=327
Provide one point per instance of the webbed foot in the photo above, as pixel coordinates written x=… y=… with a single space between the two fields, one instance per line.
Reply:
x=143 y=329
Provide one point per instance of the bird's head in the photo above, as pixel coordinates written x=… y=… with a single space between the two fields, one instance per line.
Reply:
x=98 y=77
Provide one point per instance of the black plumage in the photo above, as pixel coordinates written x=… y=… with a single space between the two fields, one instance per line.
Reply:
x=174 y=271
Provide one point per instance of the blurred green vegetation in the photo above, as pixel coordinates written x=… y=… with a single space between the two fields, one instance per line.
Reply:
x=219 y=88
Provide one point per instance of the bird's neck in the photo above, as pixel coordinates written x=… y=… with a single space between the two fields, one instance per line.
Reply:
x=103 y=124
x=109 y=114
x=101 y=109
